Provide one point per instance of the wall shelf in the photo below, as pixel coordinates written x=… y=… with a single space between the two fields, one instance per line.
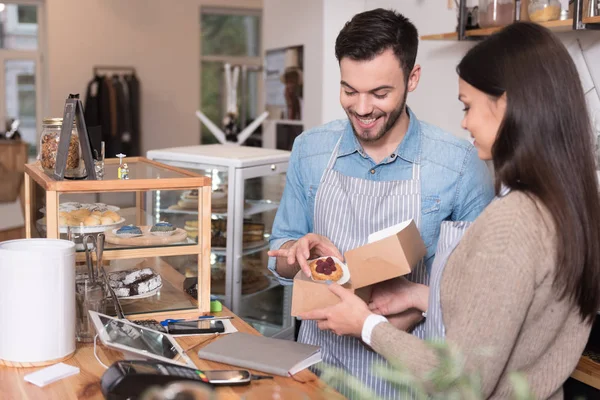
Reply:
x=555 y=26
x=591 y=20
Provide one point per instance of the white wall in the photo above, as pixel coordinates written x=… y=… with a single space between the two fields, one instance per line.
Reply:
x=435 y=99
x=161 y=39
x=293 y=23
x=337 y=13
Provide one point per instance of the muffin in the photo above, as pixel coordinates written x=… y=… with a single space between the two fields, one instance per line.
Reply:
x=81 y=213
x=106 y=221
x=191 y=227
x=162 y=229
x=325 y=269
x=112 y=215
x=128 y=231
x=92 y=220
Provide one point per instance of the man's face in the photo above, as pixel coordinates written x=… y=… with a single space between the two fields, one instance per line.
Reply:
x=373 y=94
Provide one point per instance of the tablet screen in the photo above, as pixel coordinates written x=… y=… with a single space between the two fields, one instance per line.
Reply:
x=139 y=338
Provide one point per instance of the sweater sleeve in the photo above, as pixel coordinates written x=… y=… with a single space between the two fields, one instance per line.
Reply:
x=487 y=289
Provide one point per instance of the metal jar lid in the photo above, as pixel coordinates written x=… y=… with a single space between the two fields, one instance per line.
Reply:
x=54 y=121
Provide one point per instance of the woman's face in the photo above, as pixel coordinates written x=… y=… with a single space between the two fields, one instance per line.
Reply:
x=483 y=116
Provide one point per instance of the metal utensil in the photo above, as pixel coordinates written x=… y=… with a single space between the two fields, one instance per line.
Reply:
x=100 y=268
x=88 y=256
x=99 y=251
x=116 y=302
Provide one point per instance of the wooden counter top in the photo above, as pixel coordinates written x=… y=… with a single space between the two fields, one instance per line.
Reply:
x=86 y=384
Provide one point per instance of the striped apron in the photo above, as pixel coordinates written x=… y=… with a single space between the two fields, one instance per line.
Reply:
x=451 y=232
x=347 y=210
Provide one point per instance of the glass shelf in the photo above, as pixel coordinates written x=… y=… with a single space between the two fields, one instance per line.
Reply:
x=273 y=283
x=253 y=207
x=252 y=250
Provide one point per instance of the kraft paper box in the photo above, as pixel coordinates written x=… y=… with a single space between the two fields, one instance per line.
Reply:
x=389 y=253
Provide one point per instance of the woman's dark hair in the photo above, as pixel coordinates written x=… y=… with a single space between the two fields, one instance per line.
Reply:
x=544 y=146
x=370 y=33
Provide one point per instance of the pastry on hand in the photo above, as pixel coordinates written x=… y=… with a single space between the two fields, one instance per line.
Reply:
x=325 y=269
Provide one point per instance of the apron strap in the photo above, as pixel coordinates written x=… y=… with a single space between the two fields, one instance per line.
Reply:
x=332 y=158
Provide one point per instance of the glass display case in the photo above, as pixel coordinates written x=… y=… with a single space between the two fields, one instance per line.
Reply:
x=136 y=263
x=247 y=185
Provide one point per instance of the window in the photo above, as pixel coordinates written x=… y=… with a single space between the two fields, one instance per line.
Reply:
x=27 y=14
x=229 y=36
x=20 y=58
x=26 y=89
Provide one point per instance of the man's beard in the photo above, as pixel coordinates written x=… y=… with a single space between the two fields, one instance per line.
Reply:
x=385 y=128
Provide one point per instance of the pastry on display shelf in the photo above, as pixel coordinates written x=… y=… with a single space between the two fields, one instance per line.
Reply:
x=128 y=231
x=191 y=227
x=218 y=199
x=87 y=215
x=162 y=229
x=252 y=281
x=134 y=282
x=254 y=233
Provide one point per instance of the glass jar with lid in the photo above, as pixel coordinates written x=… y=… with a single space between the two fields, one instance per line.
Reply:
x=496 y=13
x=48 y=149
x=544 y=10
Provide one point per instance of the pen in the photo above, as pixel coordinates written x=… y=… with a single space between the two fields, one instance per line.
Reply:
x=204 y=317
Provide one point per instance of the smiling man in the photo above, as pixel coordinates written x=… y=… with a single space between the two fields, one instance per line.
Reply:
x=375 y=169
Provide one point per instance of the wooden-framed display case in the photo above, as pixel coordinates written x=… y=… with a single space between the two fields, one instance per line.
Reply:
x=48 y=214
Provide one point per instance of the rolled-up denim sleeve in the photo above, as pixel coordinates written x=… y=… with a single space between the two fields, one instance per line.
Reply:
x=292 y=218
x=475 y=189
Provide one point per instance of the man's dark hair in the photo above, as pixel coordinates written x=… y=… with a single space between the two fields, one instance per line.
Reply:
x=370 y=33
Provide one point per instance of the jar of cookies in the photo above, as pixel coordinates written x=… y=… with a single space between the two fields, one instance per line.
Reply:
x=544 y=10
x=48 y=149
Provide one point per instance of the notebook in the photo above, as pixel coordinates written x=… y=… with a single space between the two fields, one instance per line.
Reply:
x=273 y=356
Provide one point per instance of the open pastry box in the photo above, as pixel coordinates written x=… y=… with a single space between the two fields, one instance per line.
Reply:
x=389 y=253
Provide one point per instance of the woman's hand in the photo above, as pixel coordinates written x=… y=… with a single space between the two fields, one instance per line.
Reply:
x=344 y=318
x=395 y=296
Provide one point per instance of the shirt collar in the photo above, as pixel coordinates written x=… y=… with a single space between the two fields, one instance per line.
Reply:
x=408 y=149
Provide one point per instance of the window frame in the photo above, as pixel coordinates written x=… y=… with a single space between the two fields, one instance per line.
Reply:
x=41 y=101
x=251 y=61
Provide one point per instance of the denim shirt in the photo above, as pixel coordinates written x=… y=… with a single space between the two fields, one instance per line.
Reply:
x=455 y=184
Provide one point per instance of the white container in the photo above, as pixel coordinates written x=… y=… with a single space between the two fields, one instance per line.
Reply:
x=37 y=301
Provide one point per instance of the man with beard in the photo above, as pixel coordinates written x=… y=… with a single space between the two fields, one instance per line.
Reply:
x=375 y=169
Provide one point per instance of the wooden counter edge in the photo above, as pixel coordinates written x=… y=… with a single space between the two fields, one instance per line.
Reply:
x=588 y=372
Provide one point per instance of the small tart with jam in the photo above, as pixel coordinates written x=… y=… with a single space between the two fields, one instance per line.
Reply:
x=325 y=269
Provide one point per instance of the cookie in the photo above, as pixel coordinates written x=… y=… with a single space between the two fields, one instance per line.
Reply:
x=128 y=231
x=162 y=229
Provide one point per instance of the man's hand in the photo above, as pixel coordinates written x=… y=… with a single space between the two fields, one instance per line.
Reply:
x=398 y=295
x=344 y=318
x=295 y=255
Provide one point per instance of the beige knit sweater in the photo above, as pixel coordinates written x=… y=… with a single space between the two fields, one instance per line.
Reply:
x=499 y=306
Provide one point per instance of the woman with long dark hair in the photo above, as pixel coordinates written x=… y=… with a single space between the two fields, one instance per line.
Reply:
x=519 y=291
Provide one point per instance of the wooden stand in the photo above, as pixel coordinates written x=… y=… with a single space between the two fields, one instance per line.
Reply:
x=146 y=177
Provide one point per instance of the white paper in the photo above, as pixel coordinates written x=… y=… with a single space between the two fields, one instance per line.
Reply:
x=51 y=374
x=389 y=231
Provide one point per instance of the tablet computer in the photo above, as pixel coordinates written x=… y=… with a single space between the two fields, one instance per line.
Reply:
x=138 y=341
